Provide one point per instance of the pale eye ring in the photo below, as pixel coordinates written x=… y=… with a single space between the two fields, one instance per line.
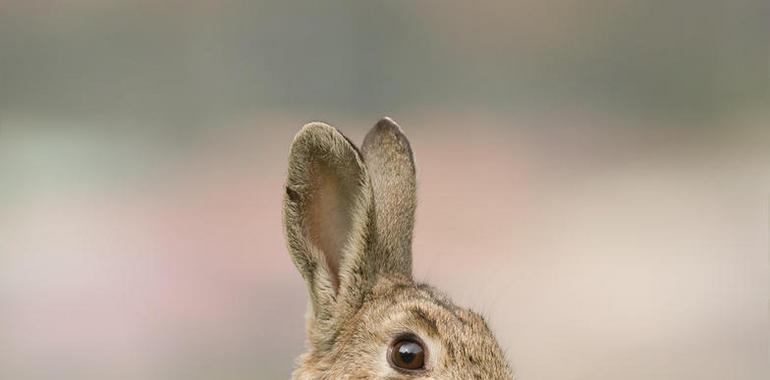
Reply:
x=407 y=353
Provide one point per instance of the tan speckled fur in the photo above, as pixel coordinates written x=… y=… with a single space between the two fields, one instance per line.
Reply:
x=348 y=218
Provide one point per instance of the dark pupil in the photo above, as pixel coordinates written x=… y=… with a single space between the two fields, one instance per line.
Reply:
x=410 y=355
x=408 y=352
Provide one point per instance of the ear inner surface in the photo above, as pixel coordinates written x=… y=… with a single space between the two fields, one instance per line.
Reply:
x=329 y=217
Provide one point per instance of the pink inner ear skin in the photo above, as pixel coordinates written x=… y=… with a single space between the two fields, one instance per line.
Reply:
x=330 y=217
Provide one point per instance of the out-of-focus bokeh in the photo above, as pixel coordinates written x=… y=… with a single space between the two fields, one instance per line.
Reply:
x=594 y=176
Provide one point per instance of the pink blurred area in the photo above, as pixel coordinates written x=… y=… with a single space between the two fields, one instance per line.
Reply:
x=605 y=254
x=181 y=262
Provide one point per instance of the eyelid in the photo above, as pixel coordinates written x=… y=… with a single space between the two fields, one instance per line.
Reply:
x=408 y=335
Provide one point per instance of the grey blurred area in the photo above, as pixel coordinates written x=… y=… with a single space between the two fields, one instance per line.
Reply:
x=594 y=176
x=183 y=62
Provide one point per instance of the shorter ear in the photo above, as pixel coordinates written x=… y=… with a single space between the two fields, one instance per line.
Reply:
x=390 y=162
x=327 y=211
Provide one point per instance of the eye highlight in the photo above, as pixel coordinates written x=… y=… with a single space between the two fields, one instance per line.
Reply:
x=407 y=353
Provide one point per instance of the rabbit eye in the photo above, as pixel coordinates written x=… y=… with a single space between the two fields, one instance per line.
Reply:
x=407 y=353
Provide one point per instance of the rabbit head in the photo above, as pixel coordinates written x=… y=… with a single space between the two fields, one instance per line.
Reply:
x=348 y=218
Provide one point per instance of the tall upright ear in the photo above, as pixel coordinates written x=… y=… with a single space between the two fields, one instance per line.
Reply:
x=328 y=211
x=389 y=159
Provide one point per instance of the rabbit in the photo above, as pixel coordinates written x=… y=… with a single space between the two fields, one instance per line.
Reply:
x=348 y=218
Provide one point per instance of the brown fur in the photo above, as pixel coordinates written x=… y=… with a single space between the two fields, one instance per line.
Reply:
x=348 y=218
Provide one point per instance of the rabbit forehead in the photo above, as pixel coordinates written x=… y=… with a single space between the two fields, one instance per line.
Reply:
x=458 y=340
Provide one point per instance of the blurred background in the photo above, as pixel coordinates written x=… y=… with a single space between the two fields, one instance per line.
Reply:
x=594 y=176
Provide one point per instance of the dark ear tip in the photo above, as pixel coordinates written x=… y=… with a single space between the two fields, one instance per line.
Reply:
x=387 y=123
x=386 y=130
